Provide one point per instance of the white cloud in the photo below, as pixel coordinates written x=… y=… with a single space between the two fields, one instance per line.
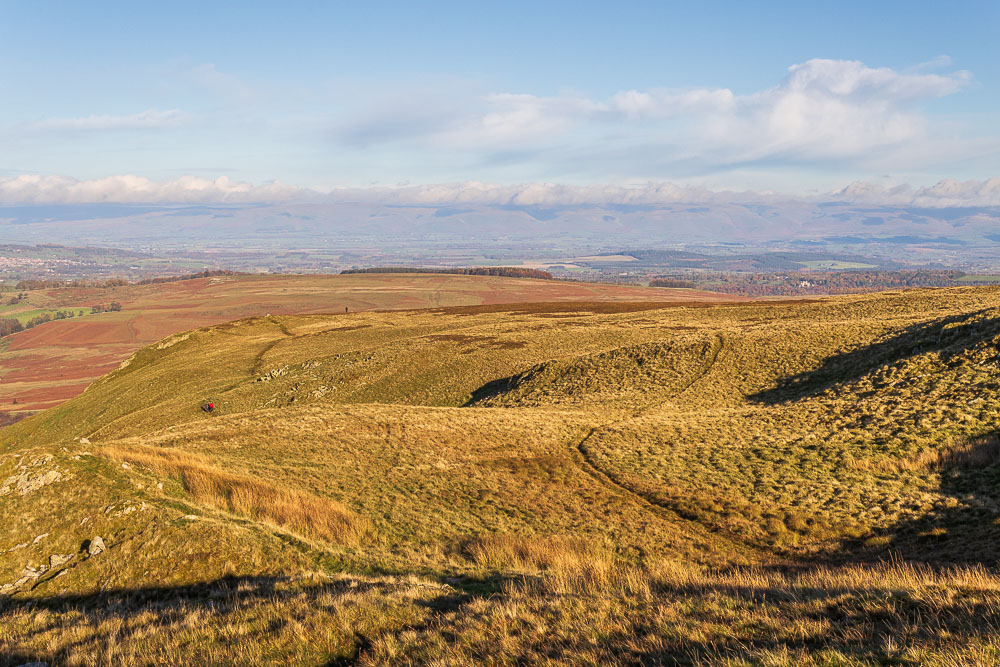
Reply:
x=831 y=109
x=945 y=193
x=661 y=103
x=144 y=120
x=821 y=111
x=131 y=189
x=38 y=189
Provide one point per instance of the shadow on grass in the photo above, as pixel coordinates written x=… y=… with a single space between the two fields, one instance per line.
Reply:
x=134 y=610
x=950 y=336
x=963 y=529
x=501 y=386
x=864 y=625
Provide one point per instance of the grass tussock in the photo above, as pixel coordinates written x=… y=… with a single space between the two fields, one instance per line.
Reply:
x=565 y=563
x=970 y=454
x=291 y=509
x=673 y=613
x=505 y=551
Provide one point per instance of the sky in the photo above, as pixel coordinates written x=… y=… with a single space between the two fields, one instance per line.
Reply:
x=161 y=98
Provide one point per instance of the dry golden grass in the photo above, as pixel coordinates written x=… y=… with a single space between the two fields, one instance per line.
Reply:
x=978 y=452
x=669 y=613
x=291 y=509
x=703 y=485
x=521 y=552
x=234 y=621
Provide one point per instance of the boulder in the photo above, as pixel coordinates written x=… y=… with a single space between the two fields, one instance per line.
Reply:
x=56 y=560
x=96 y=546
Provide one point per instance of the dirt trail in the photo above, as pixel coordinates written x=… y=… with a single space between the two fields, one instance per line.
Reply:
x=586 y=461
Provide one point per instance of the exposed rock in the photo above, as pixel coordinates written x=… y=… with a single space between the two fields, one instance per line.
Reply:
x=84 y=441
x=96 y=546
x=273 y=373
x=25 y=483
x=126 y=507
x=56 y=560
x=171 y=341
x=39 y=538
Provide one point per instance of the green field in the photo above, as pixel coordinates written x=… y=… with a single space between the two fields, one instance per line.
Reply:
x=782 y=483
x=833 y=265
x=23 y=316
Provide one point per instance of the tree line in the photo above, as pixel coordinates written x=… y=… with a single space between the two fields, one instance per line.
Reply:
x=671 y=282
x=500 y=271
x=187 y=276
x=803 y=283
x=118 y=282
x=10 y=325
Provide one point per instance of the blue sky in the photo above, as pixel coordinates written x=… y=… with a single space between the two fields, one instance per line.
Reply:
x=795 y=97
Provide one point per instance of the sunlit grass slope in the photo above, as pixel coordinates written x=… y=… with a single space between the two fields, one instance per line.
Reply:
x=588 y=482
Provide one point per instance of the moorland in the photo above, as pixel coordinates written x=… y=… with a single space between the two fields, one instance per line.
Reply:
x=784 y=482
x=55 y=361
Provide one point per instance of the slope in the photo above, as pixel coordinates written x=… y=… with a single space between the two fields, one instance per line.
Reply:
x=584 y=482
x=53 y=362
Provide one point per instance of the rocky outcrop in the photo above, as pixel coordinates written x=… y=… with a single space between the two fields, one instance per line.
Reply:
x=28 y=478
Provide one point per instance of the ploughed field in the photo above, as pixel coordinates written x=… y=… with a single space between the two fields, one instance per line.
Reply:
x=592 y=483
x=50 y=363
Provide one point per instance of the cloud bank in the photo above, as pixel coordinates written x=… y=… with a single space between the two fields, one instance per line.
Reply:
x=129 y=189
x=33 y=189
x=946 y=193
x=822 y=111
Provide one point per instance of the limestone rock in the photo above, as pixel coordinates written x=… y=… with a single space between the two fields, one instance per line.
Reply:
x=25 y=483
x=96 y=546
x=56 y=560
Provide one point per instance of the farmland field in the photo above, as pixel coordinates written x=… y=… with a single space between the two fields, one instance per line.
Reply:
x=50 y=363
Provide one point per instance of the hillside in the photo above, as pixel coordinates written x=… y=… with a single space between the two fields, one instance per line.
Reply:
x=53 y=362
x=809 y=482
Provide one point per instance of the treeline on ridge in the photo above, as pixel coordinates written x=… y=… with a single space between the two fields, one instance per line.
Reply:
x=187 y=276
x=501 y=271
x=118 y=282
x=804 y=283
x=671 y=282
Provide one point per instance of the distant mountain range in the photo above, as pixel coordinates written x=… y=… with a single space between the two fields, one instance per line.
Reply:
x=394 y=226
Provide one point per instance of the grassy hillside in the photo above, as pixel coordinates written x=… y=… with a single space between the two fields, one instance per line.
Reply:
x=55 y=361
x=768 y=482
